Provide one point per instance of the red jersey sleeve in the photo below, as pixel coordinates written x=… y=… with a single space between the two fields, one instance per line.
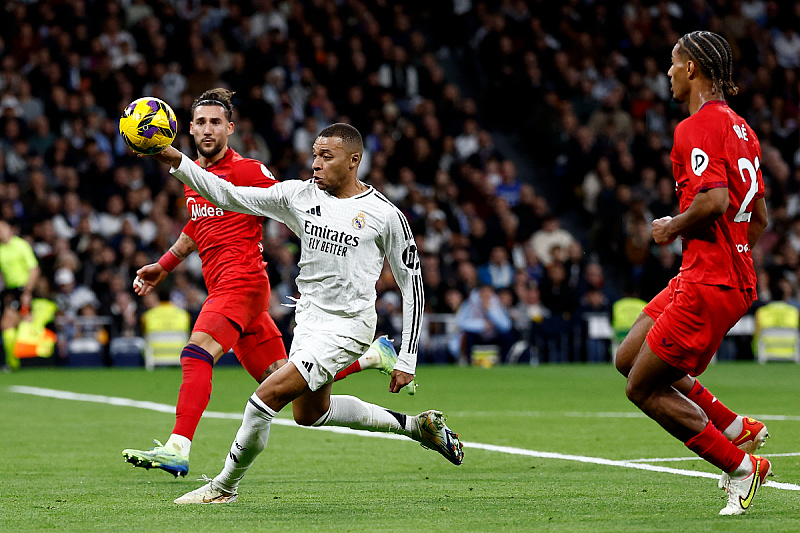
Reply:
x=188 y=229
x=252 y=173
x=702 y=154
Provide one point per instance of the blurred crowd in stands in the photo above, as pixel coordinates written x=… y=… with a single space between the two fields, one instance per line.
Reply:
x=517 y=244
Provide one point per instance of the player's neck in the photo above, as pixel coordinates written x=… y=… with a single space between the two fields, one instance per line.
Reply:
x=701 y=96
x=207 y=162
x=354 y=189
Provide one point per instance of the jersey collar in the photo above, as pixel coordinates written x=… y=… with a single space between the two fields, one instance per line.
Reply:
x=714 y=102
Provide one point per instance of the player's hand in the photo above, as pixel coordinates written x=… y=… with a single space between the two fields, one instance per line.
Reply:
x=148 y=277
x=399 y=380
x=169 y=155
x=661 y=233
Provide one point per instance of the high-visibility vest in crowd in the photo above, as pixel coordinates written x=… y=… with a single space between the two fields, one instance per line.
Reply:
x=32 y=338
x=624 y=313
x=776 y=334
x=166 y=331
x=34 y=341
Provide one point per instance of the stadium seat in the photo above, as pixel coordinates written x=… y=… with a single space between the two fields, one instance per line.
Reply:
x=84 y=351
x=127 y=351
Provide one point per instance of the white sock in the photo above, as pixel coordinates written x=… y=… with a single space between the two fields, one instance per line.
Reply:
x=735 y=429
x=180 y=444
x=351 y=412
x=744 y=469
x=251 y=439
x=370 y=359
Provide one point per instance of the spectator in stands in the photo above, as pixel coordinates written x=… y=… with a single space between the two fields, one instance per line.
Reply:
x=482 y=319
x=549 y=236
x=588 y=76
x=594 y=305
x=498 y=272
x=71 y=297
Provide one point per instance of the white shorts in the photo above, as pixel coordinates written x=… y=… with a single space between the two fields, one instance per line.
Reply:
x=324 y=343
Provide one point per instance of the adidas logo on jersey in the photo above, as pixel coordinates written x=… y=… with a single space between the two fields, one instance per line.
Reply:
x=308 y=366
x=314 y=211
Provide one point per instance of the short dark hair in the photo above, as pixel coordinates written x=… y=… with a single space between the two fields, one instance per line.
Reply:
x=218 y=96
x=713 y=54
x=349 y=135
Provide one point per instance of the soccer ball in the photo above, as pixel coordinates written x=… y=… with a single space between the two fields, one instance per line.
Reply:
x=148 y=125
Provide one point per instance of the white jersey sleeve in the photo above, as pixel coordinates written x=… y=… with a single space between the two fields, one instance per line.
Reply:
x=401 y=251
x=271 y=202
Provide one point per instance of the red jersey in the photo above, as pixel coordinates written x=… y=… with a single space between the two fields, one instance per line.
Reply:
x=716 y=148
x=229 y=243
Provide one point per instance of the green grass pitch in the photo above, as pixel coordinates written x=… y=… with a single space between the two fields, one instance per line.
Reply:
x=61 y=467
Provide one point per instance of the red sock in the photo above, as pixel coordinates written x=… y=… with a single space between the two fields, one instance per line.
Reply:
x=711 y=445
x=720 y=416
x=195 y=392
x=352 y=369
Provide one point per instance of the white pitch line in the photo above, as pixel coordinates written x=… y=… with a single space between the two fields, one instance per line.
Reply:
x=164 y=408
x=696 y=458
x=596 y=414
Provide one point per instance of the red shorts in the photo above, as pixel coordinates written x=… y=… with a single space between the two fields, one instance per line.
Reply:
x=691 y=320
x=240 y=320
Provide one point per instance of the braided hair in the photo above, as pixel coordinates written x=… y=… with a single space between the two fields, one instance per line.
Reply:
x=218 y=96
x=713 y=55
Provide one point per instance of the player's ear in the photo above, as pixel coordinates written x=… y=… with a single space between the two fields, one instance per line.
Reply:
x=691 y=69
x=230 y=128
x=191 y=128
x=355 y=158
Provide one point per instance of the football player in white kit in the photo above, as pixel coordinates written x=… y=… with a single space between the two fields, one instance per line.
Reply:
x=346 y=228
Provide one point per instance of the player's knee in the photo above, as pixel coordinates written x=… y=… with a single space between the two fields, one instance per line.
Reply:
x=636 y=394
x=306 y=419
x=626 y=356
x=623 y=362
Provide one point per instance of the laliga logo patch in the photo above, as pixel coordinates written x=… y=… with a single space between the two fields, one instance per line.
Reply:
x=699 y=161
x=360 y=221
x=266 y=172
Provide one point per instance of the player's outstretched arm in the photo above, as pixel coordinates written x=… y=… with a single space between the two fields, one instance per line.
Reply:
x=257 y=201
x=706 y=207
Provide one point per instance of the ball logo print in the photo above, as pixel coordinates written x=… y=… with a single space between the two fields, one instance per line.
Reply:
x=148 y=125
x=699 y=160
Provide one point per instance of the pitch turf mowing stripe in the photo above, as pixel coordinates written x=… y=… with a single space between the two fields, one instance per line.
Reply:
x=164 y=408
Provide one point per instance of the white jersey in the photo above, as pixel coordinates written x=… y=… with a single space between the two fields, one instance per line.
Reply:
x=344 y=241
